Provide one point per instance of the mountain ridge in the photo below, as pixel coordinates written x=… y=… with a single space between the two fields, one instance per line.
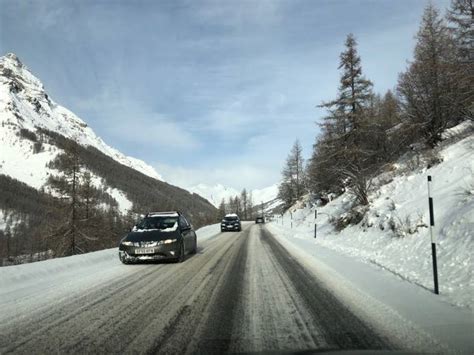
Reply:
x=18 y=84
x=22 y=95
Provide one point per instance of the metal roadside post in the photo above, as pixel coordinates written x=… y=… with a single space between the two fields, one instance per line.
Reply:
x=315 y=224
x=291 y=216
x=433 y=238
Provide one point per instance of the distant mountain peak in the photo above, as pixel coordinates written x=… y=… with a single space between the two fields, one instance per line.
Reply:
x=14 y=58
x=215 y=193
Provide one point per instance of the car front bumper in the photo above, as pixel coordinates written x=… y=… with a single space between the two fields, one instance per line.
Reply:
x=160 y=252
x=230 y=227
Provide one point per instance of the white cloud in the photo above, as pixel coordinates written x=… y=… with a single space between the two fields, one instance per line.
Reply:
x=128 y=121
x=239 y=14
x=155 y=131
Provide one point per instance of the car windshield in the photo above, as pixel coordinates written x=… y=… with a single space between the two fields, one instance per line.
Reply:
x=161 y=223
x=231 y=218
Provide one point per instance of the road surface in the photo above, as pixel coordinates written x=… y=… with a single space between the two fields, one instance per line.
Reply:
x=242 y=292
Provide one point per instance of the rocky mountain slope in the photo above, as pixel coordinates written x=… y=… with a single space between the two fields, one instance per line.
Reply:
x=34 y=131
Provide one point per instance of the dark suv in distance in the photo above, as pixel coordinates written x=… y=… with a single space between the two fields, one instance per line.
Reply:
x=260 y=220
x=231 y=222
x=158 y=236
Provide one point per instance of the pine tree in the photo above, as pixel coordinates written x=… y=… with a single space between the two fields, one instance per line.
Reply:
x=250 y=205
x=87 y=194
x=344 y=154
x=244 y=202
x=461 y=17
x=384 y=127
x=461 y=25
x=292 y=186
x=237 y=205
x=429 y=89
x=353 y=96
x=222 y=209
x=67 y=186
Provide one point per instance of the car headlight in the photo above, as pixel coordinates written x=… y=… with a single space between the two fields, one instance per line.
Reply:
x=169 y=241
x=151 y=244
x=127 y=243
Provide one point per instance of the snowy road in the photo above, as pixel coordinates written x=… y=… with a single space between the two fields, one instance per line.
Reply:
x=242 y=292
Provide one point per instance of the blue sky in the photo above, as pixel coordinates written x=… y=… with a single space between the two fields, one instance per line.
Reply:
x=206 y=91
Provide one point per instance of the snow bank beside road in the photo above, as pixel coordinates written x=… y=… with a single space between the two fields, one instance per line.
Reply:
x=207 y=232
x=394 y=234
x=393 y=305
x=73 y=267
x=36 y=286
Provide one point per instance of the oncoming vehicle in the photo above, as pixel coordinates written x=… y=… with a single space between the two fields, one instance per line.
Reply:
x=260 y=220
x=231 y=222
x=158 y=236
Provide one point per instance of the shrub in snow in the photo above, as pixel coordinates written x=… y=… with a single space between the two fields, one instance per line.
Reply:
x=37 y=147
x=432 y=158
x=352 y=217
x=401 y=227
x=27 y=134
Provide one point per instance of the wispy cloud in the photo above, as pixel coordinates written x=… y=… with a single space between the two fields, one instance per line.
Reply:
x=126 y=120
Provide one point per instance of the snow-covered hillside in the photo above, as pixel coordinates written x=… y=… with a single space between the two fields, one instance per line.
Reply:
x=266 y=194
x=214 y=194
x=394 y=233
x=24 y=104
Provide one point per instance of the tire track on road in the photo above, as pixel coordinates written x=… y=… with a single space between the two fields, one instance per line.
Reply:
x=341 y=328
x=104 y=318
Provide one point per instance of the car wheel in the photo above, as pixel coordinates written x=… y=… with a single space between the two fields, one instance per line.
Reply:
x=222 y=231
x=194 y=251
x=124 y=259
x=182 y=255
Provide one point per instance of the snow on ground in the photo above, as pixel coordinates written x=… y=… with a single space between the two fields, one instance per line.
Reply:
x=62 y=277
x=207 y=232
x=18 y=160
x=124 y=203
x=390 y=303
x=402 y=204
x=50 y=269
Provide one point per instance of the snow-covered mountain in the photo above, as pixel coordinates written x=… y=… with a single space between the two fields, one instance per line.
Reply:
x=266 y=194
x=24 y=104
x=216 y=193
x=34 y=130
